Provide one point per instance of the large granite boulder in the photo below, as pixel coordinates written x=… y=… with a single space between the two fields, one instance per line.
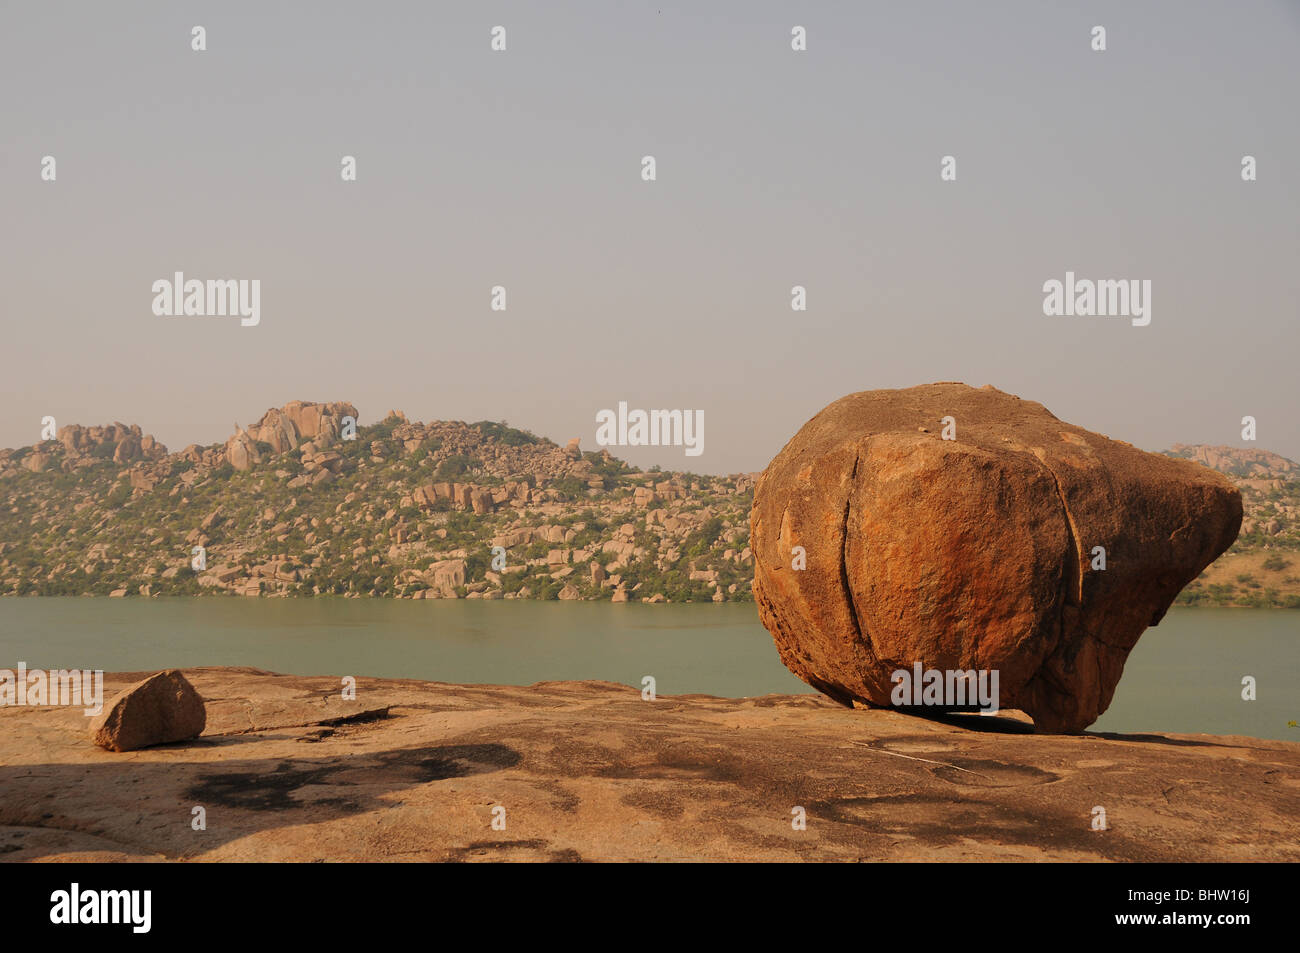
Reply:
x=161 y=709
x=284 y=428
x=975 y=553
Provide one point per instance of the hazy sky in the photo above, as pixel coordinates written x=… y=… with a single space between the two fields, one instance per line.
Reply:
x=775 y=168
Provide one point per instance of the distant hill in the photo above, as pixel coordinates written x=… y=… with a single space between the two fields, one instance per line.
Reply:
x=1262 y=568
x=299 y=504
x=1238 y=462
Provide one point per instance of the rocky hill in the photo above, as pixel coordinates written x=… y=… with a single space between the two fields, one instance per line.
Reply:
x=1262 y=569
x=304 y=502
x=300 y=504
x=1238 y=462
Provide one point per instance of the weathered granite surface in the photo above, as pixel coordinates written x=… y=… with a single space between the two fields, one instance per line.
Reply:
x=286 y=770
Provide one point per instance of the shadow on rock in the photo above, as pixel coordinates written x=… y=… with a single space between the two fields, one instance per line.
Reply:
x=274 y=790
x=121 y=805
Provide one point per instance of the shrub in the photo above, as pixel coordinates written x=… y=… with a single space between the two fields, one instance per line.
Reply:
x=570 y=486
x=507 y=435
x=1222 y=593
x=453 y=467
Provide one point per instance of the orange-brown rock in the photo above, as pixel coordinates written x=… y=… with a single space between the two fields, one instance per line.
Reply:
x=161 y=709
x=284 y=428
x=979 y=552
x=129 y=442
x=289 y=771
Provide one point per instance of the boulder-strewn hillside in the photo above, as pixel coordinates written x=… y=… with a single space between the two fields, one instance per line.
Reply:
x=1238 y=462
x=299 y=504
x=1263 y=567
x=288 y=506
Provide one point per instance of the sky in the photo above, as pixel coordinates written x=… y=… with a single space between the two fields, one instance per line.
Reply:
x=774 y=168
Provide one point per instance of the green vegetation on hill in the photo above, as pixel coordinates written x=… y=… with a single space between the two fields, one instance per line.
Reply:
x=401 y=510
x=412 y=510
x=1262 y=568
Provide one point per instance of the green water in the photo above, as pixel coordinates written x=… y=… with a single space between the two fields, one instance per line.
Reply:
x=1184 y=676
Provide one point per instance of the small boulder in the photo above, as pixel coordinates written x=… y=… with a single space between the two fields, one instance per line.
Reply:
x=161 y=709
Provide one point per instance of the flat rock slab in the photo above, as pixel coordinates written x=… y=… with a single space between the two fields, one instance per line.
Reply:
x=285 y=705
x=589 y=771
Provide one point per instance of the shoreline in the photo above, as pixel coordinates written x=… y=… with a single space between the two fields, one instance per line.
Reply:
x=352 y=597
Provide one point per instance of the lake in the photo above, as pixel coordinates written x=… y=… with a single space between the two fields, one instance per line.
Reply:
x=1184 y=676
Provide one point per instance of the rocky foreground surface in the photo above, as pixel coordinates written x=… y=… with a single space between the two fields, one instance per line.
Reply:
x=287 y=771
